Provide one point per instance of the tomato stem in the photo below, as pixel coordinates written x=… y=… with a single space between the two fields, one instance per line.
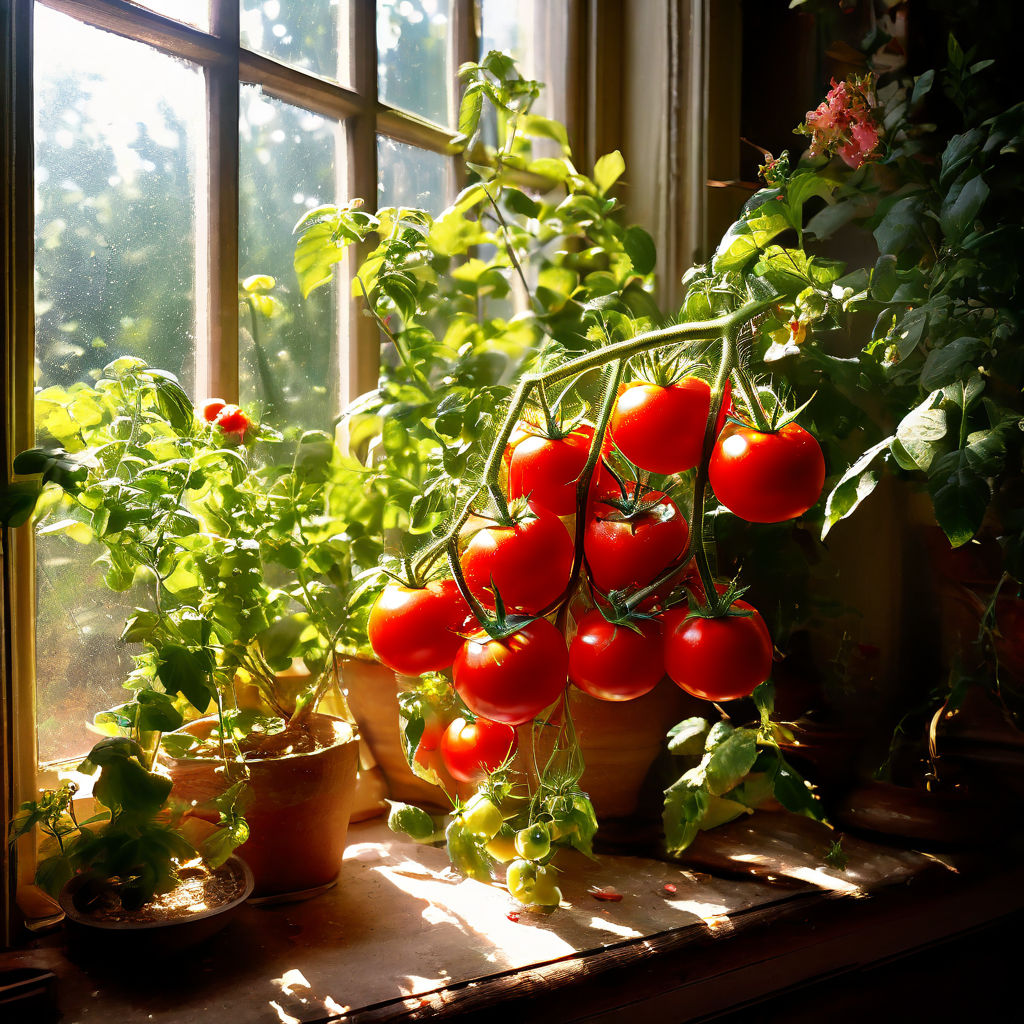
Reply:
x=746 y=386
x=482 y=616
x=727 y=365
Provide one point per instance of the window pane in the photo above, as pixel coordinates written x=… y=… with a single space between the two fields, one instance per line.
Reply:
x=412 y=56
x=535 y=32
x=409 y=176
x=118 y=129
x=291 y=161
x=191 y=12
x=313 y=35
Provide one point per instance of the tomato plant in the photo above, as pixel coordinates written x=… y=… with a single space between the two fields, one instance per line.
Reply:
x=545 y=469
x=416 y=629
x=512 y=679
x=661 y=428
x=767 y=477
x=628 y=542
x=719 y=658
x=611 y=661
x=471 y=749
x=529 y=560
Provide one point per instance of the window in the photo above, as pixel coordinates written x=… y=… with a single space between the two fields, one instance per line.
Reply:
x=175 y=145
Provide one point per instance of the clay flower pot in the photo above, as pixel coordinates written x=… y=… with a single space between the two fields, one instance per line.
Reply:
x=299 y=806
x=93 y=936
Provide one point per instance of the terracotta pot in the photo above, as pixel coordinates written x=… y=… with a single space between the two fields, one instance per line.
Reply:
x=620 y=739
x=94 y=937
x=299 y=808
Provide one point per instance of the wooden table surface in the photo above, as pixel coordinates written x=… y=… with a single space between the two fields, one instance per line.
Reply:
x=401 y=937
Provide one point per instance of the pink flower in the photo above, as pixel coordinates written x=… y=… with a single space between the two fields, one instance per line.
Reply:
x=844 y=122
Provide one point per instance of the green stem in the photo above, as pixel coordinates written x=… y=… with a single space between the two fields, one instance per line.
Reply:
x=746 y=386
x=725 y=366
x=611 y=390
x=478 y=609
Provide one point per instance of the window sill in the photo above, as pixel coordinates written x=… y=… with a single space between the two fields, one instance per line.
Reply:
x=402 y=937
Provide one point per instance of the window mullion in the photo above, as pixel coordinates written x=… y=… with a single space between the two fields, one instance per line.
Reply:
x=217 y=358
x=364 y=343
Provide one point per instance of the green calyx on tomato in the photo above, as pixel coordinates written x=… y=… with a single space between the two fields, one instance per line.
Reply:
x=630 y=547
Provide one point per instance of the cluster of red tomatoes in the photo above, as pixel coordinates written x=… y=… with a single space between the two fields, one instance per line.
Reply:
x=632 y=534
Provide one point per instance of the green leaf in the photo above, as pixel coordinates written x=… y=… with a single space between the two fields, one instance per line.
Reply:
x=640 y=249
x=853 y=487
x=157 y=712
x=688 y=736
x=791 y=790
x=727 y=764
x=958 y=213
x=919 y=433
x=186 y=672
x=960 y=501
x=959 y=151
x=608 y=169
x=901 y=226
x=944 y=365
x=686 y=802
x=922 y=86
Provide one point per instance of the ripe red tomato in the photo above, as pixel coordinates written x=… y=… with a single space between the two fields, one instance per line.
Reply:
x=211 y=407
x=413 y=631
x=513 y=679
x=717 y=659
x=545 y=469
x=233 y=422
x=662 y=428
x=623 y=552
x=767 y=478
x=428 y=750
x=612 y=662
x=529 y=562
x=473 y=749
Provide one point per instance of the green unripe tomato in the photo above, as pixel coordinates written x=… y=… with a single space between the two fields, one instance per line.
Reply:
x=545 y=892
x=534 y=843
x=533 y=885
x=481 y=817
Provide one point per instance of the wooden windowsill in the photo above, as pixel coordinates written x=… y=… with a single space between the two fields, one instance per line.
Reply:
x=402 y=937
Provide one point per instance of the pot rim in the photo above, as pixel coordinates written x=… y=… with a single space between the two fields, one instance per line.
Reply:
x=353 y=737
x=67 y=903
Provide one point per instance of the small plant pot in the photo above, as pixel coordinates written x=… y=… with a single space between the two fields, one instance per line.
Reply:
x=95 y=938
x=299 y=807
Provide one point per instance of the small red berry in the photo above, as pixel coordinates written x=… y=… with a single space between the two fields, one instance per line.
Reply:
x=233 y=421
x=211 y=408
